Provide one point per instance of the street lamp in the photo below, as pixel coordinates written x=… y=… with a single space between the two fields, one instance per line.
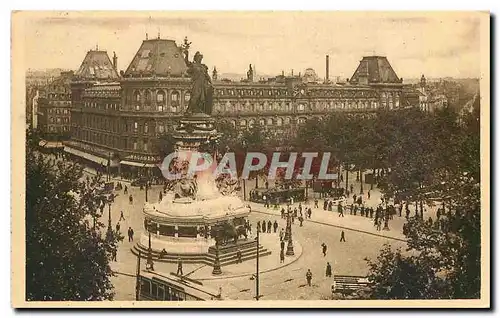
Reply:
x=150 y=264
x=288 y=229
x=257 y=295
x=217 y=270
x=289 y=247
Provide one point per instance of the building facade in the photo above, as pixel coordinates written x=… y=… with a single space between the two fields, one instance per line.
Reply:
x=115 y=119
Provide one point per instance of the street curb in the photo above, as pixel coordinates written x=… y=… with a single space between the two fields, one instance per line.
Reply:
x=341 y=227
x=260 y=272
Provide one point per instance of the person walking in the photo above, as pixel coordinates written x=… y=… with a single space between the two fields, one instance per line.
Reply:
x=121 y=216
x=282 y=256
x=325 y=205
x=342 y=236
x=179 y=267
x=282 y=233
x=130 y=233
x=341 y=210
x=125 y=191
x=264 y=226
x=238 y=256
x=316 y=204
x=309 y=212
x=309 y=277
x=118 y=227
x=369 y=194
x=323 y=245
x=328 y=269
x=269 y=226
x=282 y=245
x=130 y=199
x=301 y=219
x=114 y=255
x=275 y=226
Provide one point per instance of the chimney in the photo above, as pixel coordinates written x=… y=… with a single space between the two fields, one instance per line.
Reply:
x=115 y=61
x=327 y=68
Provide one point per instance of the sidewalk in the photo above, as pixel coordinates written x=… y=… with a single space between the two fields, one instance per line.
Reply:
x=348 y=222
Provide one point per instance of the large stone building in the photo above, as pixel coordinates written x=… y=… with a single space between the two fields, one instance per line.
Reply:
x=117 y=117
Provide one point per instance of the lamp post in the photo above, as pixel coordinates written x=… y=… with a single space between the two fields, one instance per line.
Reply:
x=150 y=264
x=289 y=247
x=257 y=295
x=288 y=229
x=217 y=270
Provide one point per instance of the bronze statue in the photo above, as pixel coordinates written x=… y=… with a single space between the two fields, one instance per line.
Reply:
x=201 y=89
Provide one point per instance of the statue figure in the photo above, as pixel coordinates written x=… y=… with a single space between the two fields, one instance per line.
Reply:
x=214 y=74
x=250 y=73
x=201 y=86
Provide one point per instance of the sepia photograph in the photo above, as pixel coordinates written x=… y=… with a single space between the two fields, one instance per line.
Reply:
x=250 y=159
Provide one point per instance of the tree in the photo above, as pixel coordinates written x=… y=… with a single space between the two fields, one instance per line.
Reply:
x=67 y=250
x=444 y=254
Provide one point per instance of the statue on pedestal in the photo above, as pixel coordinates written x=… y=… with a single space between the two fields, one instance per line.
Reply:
x=201 y=86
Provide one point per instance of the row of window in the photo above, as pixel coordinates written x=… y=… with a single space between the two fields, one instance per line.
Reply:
x=146 y=97
x=111 y=141
x=59 y=120
x=58 y=111
x=101 y=106
x=250 y=92
x=58 y=128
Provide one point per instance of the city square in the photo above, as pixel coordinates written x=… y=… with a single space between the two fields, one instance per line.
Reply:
x=162 y=178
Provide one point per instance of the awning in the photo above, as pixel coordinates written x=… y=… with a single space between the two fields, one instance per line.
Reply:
x=54 y=144
x=85 y=155
x=137 y=164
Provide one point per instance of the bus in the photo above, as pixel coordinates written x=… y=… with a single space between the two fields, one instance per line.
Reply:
x=153 y=286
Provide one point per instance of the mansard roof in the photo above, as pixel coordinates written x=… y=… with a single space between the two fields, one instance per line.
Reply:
x=377 y=69
x=159 y=57
x=96 y=66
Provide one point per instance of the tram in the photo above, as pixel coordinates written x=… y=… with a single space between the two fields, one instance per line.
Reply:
x=153 y=286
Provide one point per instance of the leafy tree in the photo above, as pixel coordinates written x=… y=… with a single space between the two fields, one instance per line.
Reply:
x=67 y=249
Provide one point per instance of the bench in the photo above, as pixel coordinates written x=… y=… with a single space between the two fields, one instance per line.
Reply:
x=349 y=284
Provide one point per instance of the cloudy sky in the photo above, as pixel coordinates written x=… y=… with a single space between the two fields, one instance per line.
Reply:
x=437 y=45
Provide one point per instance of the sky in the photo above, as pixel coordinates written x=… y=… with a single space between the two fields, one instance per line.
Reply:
x=434 y=44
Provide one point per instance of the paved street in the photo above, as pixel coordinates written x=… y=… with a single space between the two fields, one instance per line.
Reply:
x=347 y=258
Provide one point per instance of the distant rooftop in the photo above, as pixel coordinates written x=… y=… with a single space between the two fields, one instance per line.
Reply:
x=96 y=65
x=374 y=69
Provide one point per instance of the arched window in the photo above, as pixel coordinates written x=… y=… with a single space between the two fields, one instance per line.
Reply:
x=243 y=123
x=269 y=121
x=148 y=97
x=174 y=97
x=288 y=120
x=301 y=120
x=262 y=122
x=251 y=123
x=233 y=122
x=146 y=128
x=160 y=100
x=279 y=121
x=187 y=97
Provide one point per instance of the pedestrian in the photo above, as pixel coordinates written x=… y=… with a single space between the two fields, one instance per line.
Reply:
x=301 y=219
x=328 y=269
x=369 y=195
x=309 y=277
x=130 y=233
x=282 y=245
x=238 y=256
x=258 y=226
x=163 y=252
x=130 y=199
x=125 y=191
x=354 y=198
x=275 y=226
x=330 y=206
x=179 y=267
x=118 y=227
x=282 y=256
x=362 y=210
x=355 y=209
x=265 y=200
x=341 y=209
x=282 y=213
x=309 y=212
x=267 y=185
x=121 y=216
x=352 y=209
x=315 y=203
x=325 y=205
x=114 y=255
x=323 y=245
x=160 y=196
x=281 y=234
x=342 y=236
x=291 y=201
x=264 y=226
